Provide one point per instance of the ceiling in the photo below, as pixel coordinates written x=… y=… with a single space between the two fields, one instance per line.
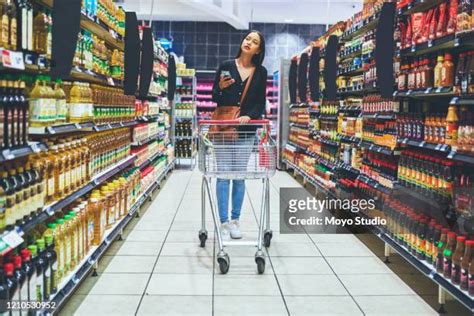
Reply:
x=239 y=13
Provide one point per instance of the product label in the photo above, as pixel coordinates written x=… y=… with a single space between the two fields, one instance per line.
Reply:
x=32 y=288
x=61 y=260
x=13 y=33
x=456 y=274
x=39 y=287
x=61 y=109
x=62 y=176
x=77 y=111
x=30 y=29
x=68 y=254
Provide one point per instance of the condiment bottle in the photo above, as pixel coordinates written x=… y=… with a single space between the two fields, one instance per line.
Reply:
x=437 y=71
x=452 y=126
x=448 y=254
x=441 y=246
x=447 y=71
x=466 y=260
x=456 y=261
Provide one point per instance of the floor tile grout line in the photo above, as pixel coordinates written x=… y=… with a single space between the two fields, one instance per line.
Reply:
x=161 y=249
x=337 y=276
x=271 y=264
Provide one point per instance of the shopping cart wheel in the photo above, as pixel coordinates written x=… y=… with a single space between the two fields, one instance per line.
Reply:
x=267 y=238
x=203 y=238
x=260 y=264
x=224 y=263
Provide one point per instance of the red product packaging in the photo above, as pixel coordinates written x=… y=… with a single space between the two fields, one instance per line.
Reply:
x=433 y=24
x=408 y=39
x=426 y=25
x=442 y=21
x=416 y=26
x=452 y=16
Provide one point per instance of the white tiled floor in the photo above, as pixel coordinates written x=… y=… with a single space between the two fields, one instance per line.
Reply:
x=159 y=268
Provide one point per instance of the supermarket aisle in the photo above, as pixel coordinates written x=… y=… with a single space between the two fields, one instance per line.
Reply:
x=159 y=269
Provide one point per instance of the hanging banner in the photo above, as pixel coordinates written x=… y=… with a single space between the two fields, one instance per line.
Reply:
x=330 y=68
x=292 y=78
x=132 y=53
x=146 y=66
x=384 y=48
x=303 y=78
x=313 y=76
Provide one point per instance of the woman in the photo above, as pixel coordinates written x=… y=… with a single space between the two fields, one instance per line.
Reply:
x=240 y=82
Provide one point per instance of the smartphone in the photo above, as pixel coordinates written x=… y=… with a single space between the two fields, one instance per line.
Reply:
x=225 y=74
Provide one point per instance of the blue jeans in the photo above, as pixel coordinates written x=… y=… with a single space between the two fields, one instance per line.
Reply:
x=232 y=158
x=238 y=192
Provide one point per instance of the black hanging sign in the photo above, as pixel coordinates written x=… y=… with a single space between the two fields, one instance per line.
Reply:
x=171 y=77
x=303 y=77
x=66 y=27
x=292 y=81
x=146 y=66
x=384 y=50
x=314 y=73
x=330 y=68
x=132 y=53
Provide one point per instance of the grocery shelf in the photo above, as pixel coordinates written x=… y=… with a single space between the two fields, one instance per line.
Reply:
x=78 y=127
x=299 y=125
x=446 y=42
x=425 y=145
x=146 y=140
x=308 y=178
x=374 y=183
x=368 y=24
x=299 y=105
x=102 y=32
x=418 y=6
x=148 y=161
x=51 y=209
x=380 y=115
x=80 y=74
x=21 y=151
x=462 y=157
x=379 y=149
x=332 y=117
x=462 y=100
x=69 y=284
x=351 y=71
x=350 y=108
x=349 y=139
x=147 y=118
x=427 y=93
x=298 y=147
x=427 y=201
x=353 y=90
x=350 y=53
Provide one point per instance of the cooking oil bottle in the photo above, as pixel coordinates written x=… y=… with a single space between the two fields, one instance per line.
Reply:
x=61 y=104
x=61 y=249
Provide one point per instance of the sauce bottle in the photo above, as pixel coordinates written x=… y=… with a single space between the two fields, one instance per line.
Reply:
x=52 y=176
x=39 y=272
x=466 y=260
x=46 y=272
x=456 y=261
x=29 y=269
x=53 y=266
x=12 y=283
x=452 y=126
x=447 y=71
x=437 y=71
x=20 y=276
x=77 y=239
x=448 y=254
x=441 y=247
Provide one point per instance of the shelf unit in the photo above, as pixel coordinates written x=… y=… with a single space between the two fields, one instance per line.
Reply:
x=186 y=162
x=91 y=260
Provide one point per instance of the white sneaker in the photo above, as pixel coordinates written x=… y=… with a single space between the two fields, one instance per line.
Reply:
x=235 y=232
x=225 y=231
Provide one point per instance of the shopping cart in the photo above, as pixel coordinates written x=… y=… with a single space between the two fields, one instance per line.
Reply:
x=247 y=152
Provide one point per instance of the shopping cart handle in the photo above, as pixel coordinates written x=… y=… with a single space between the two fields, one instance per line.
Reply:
x=233 y=122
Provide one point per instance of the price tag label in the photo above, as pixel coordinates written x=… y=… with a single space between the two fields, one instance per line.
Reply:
x=444 y=147
x=422 y=144
x=8 y=155
x=371 y=147
x=409 y=92
x=376 y=185
x=379 y=149
x=13 y=239
x=13 y=60
x=78 y=126
x=428 y=91
x=430 y=43
x=34 y=147
x=413 y=49
x=438 y=147
x=405 y=141
x=50 y=211
x=439 y=89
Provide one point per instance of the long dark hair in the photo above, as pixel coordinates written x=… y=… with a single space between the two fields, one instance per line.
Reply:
x=257 y=59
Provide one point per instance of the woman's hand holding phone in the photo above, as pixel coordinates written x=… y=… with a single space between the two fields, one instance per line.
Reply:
x=226 y=80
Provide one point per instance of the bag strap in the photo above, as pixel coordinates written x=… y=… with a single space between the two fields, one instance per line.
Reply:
x=247 y=85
